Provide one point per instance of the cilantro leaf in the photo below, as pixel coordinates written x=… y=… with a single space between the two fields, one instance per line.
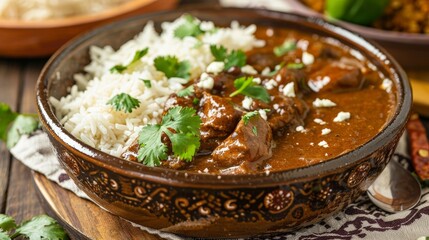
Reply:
x=218 y=52
x=4 y=236
x=255 y=130
x=247 y=87
x=186 y=92
x=6 y=222
x=181 y=125
x=232 y=59
x=7 y=116
x=287 y=46
x=41 y=227
x=171 y=66
x=21 y=126
x=147 y=83
x=295 y=65
x=124 y=102
x=190 y=27
x=137 y=56
x=246 y=117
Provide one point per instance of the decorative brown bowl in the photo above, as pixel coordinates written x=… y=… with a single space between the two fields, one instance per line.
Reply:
x=410 y=49
x=201 y=205
x=40 y=38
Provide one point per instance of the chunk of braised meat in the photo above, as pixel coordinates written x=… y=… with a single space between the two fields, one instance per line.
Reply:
x=131 y=154
x=259 y=61
x=249 y=142
x=320 y=50
x=298 y=76
x=224 y=80
x=336 y=77
x=174 y=101
x=219 y=118
x=288 y=114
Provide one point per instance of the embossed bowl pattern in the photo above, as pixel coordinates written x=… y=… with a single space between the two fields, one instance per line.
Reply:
x=200 y=205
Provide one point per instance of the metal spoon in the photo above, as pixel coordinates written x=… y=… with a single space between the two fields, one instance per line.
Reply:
x=395 y=189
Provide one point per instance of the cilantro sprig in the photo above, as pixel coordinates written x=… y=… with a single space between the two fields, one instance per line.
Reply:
x=172 y=67
x=186 y=92
x=247 y=87
x=236 y=58
x=287 y=46
x=181 y=125
x=39 y=227
x=295 y=66
x=137 y=56
x=13 y=125
x=191 y=27
x=124 y=102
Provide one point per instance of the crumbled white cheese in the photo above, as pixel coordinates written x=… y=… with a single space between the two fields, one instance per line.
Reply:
x=312 y=144
x=257 y=80
x=323 y=103
x=206 y=170
x=247 y=102
x=289 y=90
x=206 y=81
x=263 y=114
x=326 y=131
x=323 y=144
x=307 y=58
x=278 y=78
x=387 y=85
x=269 y=32
x=276 y=106
x=300 y=129
x=271 y=84
x=249 y=70
x=266 y=71
x=319 y=121
x=342 y=116
x=302 y=44
x=215 y=67
x=319 y=83
x=207 y=26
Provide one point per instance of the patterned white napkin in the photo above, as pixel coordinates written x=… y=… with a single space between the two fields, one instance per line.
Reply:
x=359 y=220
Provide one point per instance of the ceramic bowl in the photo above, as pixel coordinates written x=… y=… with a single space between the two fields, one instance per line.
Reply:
x=201 y=205
x=42 y=38
x=410 y=49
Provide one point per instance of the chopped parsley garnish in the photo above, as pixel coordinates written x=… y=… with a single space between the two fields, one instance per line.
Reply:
x=287 y=46
x=39 y=227
x=147 y=83
x=13 y=125
x=186 y=92
x=182 y=127
x=236 y=58
x=137 y=56
x=124 y=102
x=172 y=67
x=191 y=27
x=295 y=65
x=255 y=130
x=195 y=101
x=247 y=87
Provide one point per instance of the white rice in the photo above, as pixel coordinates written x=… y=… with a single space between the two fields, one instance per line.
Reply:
x=84 y=111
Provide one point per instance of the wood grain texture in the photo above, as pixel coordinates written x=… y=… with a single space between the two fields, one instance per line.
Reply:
x=82 y=218
x=9 y=90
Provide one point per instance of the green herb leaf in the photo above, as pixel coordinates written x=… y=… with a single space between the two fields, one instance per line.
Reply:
x=195 y=101
x=246 y=117
x=247 y=87
x=171 y=67
x=137 y=56
x=4 y=236
x=182 y=127
x=236 y=58
x=219 y=52
x=21 y=126
x=147 y=83
x=255 y=130
x=7 y=116
x=287 y=46
x=124 y=102
x=295 y=65
x=41 y=227
x=186 y=92
x=6 y=222
x=190 y=27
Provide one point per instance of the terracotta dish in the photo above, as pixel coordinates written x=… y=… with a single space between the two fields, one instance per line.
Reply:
x=204 y=205
x=408 y=48
x=42 y=38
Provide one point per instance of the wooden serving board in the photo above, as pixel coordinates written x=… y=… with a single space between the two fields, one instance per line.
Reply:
x=81 y=218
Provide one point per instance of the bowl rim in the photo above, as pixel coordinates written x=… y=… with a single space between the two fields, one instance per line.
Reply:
x=192 y=179
x=370 y=32
x=108 y=13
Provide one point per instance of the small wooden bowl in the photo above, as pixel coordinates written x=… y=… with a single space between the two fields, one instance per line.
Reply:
x=42 y=38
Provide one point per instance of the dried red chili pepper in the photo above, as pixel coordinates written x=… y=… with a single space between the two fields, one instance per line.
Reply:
x=419 y=147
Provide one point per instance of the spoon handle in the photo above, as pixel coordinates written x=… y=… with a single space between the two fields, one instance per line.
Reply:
x=419 y=146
